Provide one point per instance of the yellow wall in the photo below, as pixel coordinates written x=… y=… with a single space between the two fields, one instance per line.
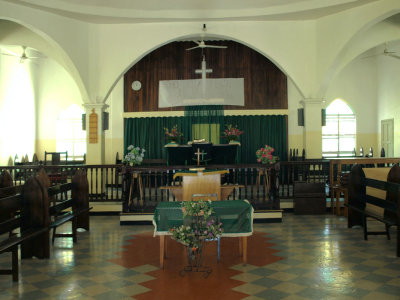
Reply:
x=112 y=147
x=296 y=141
x=368 y=140
x=44 y=145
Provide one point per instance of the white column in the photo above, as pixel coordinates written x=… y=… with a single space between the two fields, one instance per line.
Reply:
x=312 y=131
x=95 y=152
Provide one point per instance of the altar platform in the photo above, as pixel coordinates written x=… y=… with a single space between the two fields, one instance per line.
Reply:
x=255 y=183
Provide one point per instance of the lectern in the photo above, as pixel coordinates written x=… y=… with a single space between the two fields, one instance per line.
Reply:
x=201 y=181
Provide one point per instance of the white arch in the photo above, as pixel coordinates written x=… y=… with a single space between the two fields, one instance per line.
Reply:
x=372 y=33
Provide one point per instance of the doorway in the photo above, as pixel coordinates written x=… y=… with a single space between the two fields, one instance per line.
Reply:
x=387 y=136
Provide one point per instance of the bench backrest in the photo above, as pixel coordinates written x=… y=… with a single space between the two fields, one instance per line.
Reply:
x=10 y=191
x=5 y=179
x=10 y=209
x=367 y=192
x=59 y=201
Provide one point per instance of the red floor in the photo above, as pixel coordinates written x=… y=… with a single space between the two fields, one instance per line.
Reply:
x=169 y=284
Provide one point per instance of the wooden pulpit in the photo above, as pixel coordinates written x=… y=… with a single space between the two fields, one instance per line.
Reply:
x=201 y=182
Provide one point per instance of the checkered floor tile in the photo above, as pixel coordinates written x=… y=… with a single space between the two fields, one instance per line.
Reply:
x=320 y=258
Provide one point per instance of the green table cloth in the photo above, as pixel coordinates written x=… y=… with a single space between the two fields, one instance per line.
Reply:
x=235 y=215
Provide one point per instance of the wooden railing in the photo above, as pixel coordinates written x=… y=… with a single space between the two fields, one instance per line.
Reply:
x=110 y=182
x=306 y=170
x=105 y=181
x=256 y=183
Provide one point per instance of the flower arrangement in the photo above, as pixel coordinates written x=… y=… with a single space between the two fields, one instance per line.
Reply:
x=264 y=155
x=172 y=135
x=202 y=227
x=232 y=133
x=134 y=156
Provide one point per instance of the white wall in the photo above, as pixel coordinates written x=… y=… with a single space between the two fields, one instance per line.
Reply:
x=114 y=137
x=356 y=84
x=56 y=91
x=295 y=132
x=17 y=109
x=388 y=95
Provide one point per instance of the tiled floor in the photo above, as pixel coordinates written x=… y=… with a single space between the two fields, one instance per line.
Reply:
x=318 y=258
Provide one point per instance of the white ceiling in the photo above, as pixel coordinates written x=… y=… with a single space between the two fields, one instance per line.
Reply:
x=132 y=11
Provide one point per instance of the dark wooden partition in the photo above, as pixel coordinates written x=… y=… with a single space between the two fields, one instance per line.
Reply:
x=265 y=85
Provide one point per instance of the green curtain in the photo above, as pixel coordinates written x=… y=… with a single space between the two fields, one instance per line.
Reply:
x=201 y=116
x=148 y=133
x=259 y=131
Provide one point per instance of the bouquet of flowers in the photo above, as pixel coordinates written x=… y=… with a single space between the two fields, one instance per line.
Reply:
x=202 y=227
x=264 y=155
x=231 y=133
x=172 y=135
x=134 y=156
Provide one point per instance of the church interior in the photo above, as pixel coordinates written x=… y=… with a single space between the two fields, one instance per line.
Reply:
x=284 y=113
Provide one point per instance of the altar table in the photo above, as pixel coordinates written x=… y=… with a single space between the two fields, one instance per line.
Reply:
x=223 y=154
x=235 y=215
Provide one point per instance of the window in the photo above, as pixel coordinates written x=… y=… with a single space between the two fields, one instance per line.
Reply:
x=339 y=134
x=70 y=136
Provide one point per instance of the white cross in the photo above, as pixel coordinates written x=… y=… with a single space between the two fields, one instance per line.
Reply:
x=203 y=71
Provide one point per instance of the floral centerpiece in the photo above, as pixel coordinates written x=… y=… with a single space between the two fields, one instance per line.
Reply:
x=232 y=133
x=134 y=156
x=172 y=135
x=264 y=155
x=202 y=225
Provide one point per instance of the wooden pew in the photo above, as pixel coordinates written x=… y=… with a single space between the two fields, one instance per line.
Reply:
x=338 y=165
x=74 y=209
x=5 y=179
x=21 y=222
x=375 y=193
x=32 y=214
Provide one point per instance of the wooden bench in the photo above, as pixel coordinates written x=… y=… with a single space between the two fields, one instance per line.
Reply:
x=5 y=179
x=371 y=196
x=18 y=225
x=338 y=165
x=27 y=218
x=71 y=209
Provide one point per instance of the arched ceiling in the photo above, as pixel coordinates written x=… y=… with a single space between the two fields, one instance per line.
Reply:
x=134 y=11
x=392 y=45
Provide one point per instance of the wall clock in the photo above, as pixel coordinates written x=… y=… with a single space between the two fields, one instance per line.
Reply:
x=136 y=85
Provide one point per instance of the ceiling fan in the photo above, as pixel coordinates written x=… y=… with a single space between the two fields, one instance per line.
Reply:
x=22 y=58
x=201 y=44
x=386 y=52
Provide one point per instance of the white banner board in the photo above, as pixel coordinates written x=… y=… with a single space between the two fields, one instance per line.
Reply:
x=221 y=91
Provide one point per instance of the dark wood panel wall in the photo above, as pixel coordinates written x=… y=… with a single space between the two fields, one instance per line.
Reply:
x=265 y=86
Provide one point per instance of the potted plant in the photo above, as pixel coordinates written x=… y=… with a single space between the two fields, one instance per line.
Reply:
x=172 y=135
x=134 y=156
x=232 y=133
x=199 y=226
x=264 y=155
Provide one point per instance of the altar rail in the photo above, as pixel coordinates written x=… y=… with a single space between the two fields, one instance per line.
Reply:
x=106 y=181
x=256 y=183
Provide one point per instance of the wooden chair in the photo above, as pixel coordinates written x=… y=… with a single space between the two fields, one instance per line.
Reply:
x=55 y=157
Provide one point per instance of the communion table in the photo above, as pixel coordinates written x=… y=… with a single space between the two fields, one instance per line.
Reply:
x=219 y=154
x=235 y=215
